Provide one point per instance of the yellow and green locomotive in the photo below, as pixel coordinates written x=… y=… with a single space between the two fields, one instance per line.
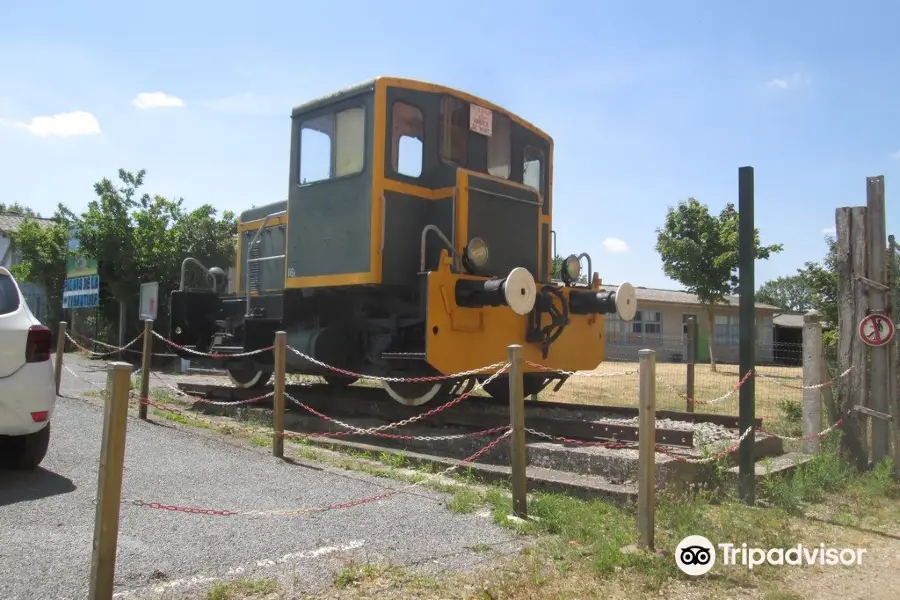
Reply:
x=416 y=240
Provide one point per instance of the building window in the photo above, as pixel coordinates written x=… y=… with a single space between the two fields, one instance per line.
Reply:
x=728 y=330
x=333 y=145
x=647 y=322
x=407 y=138
x=499 y=147
x=454 y=130
x=533 y=163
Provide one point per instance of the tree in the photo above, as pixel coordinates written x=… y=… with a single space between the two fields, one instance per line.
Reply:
x=790 y=293
x=137 y=239
x=17 y=209
x=44 y=250
x=700 y=251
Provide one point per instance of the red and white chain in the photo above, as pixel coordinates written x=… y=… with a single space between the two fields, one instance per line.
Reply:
x=806 y=387
x=115 y=350
x=404 y=422
x=211 y=354
x=707 y=459
x=335 y=506
x=462 y=375
x=728 y=395
x=589 y=374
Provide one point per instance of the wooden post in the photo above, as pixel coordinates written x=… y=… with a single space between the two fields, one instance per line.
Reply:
x=109 y=485
x=647 y=446
x=691 y=359
x=850 y=224
x=875 y=240
x=145 y=369
x=278 y=400
x=60 y=351
x=517 y=438
x=813 y=366
x=893 y=387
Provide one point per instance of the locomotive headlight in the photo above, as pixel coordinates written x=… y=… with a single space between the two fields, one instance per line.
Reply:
x=477 y=253
x=572 y=268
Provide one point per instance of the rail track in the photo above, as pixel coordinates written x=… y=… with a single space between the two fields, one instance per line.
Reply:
x=587 y=423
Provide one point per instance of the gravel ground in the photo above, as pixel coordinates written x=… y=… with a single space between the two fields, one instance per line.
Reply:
x=47 y=517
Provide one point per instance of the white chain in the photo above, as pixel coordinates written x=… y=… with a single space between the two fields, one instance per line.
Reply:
x=207 y=354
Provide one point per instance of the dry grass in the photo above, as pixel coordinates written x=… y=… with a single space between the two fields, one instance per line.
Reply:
x=618 y=386
x=622 y=389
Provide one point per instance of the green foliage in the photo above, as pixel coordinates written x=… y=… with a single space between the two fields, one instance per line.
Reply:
x=43 y=250
x=140 y=238
x=17 y=209
x=700 y=251
x=790 y=293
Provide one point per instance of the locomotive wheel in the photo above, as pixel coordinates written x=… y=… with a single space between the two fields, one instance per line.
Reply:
x=247 y=379
x=338 y=381
x=413 y=393
x=531 y=384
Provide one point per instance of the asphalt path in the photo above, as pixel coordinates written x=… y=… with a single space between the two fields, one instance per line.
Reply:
x=47 y=516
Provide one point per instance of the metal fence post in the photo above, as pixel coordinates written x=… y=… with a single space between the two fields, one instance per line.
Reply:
x=813 y=367
x=517 y=438
x=278 y=401
x=145 y=369
x=647 y=447
x=60 y=351
x=691 y=359
x=109 y=484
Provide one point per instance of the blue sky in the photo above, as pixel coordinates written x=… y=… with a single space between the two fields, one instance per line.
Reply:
x=648 y=103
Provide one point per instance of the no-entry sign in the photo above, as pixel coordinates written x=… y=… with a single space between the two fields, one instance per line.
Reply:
x=876 y=330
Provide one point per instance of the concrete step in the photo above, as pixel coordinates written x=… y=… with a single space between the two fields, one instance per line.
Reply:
x=782 y=465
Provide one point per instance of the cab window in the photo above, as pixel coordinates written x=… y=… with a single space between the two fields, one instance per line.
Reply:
x=454 y=130
x=499 y=147
x=407 y=136
x=333 y=145
x=533 y=167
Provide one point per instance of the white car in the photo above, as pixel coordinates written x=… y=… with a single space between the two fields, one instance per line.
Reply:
x=27 y=384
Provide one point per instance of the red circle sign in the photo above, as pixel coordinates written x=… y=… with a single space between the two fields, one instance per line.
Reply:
x=876 y=330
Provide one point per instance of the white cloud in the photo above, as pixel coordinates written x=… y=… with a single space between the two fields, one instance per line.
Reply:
x=794 y=80
x=156 y=100
x=830 y=230
x=615 y=245
x=63 y=124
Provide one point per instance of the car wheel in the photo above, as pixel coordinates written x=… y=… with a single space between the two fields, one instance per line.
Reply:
x=28 y=451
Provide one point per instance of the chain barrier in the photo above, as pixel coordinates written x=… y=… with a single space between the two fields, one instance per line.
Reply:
x=330 y=507
x=587 y=374
x=93 y=354
x=423 y=379
x=404 y=422
x=807 y=387
x=211 y=354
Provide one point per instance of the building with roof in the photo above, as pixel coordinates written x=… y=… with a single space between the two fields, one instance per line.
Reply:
x=661 y=324
x=34 y=294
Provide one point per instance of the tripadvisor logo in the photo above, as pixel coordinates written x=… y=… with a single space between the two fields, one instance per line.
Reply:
x=696 y=555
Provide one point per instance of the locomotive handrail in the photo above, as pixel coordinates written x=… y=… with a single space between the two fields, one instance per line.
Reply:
x=250 y=247
x=199 y=264
x=457 y=262
x=590 y=267
x=505 y=196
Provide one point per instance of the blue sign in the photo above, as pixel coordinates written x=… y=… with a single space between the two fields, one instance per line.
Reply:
x=81 y=292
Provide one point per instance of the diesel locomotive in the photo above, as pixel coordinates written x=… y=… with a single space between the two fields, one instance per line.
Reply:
x=416 y=240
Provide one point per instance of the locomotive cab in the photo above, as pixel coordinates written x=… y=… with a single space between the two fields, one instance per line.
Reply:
x=416 y=240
